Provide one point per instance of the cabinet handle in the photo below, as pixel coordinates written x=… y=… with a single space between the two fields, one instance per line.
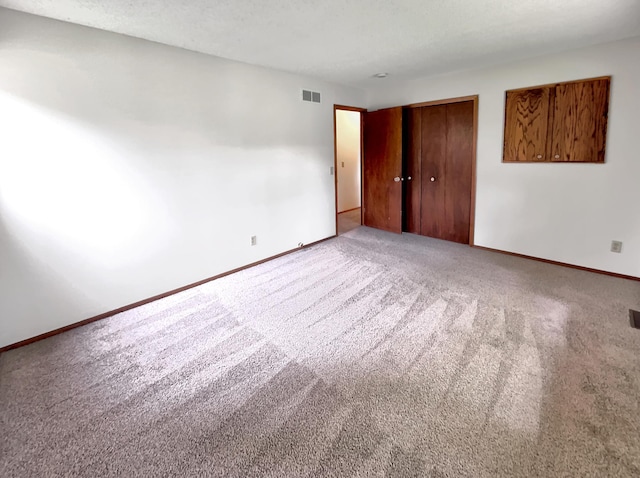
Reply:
x=539 y=156
x=432 y=179
x=409 y=178
x=397 y=179
x=557 y=156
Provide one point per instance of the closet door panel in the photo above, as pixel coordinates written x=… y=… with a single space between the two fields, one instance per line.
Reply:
x=382 y=157
x=412 y=125
x=433 y=221
x=457 y=181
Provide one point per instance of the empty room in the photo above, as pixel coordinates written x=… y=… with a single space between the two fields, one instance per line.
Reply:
x=319 y=239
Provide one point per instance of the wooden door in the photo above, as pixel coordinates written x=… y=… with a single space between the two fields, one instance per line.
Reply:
x=412 y=147
x=457 y=181
x=580 y=121
x=446 y=171
x=433 y=221
x=382 y=158
x=527 y=124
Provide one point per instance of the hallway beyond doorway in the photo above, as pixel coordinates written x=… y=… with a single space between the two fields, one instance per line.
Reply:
x=349 y=220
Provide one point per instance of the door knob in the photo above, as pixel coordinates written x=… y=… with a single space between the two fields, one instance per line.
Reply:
x=432 y=179
x=397 y=179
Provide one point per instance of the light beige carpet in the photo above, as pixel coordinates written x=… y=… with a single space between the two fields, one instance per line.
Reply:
x=372 y=354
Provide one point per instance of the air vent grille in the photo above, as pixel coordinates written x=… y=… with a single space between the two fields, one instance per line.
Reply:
x=311 y=96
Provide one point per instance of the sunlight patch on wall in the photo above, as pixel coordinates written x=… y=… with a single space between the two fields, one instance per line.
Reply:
x=61 y=181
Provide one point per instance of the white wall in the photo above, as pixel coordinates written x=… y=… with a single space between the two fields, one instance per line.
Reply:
x=129 y=168
x=563 y=212
x=348 y=159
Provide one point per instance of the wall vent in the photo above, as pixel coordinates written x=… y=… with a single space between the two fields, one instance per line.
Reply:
x=312 y=96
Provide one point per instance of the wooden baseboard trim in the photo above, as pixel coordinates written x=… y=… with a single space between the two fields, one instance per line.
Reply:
x=150 y=299
x=563 y=264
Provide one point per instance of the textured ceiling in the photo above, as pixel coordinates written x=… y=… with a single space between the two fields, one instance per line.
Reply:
x=347 y=41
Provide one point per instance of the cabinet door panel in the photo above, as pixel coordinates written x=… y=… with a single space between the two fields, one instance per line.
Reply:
x=580 y=121
x=526 y=125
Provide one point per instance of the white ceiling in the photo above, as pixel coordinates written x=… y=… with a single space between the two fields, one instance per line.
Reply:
x=348 y=41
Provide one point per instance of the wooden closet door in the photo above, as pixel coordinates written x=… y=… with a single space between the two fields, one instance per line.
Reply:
x=457 y=178
x=433 y=132
x=382 y=157
x=412 y=129
x=446 y=134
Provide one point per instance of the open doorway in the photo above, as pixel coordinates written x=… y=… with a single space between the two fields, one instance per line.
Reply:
x=348 y=167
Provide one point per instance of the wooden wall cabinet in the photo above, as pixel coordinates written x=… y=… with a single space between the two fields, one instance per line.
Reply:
x=563 y=122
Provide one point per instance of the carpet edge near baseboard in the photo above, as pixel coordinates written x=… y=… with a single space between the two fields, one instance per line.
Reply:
x=142 y=302
x=558 y=263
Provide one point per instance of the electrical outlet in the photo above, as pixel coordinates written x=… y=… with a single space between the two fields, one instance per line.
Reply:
x=616 y=246
x=254 y=240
